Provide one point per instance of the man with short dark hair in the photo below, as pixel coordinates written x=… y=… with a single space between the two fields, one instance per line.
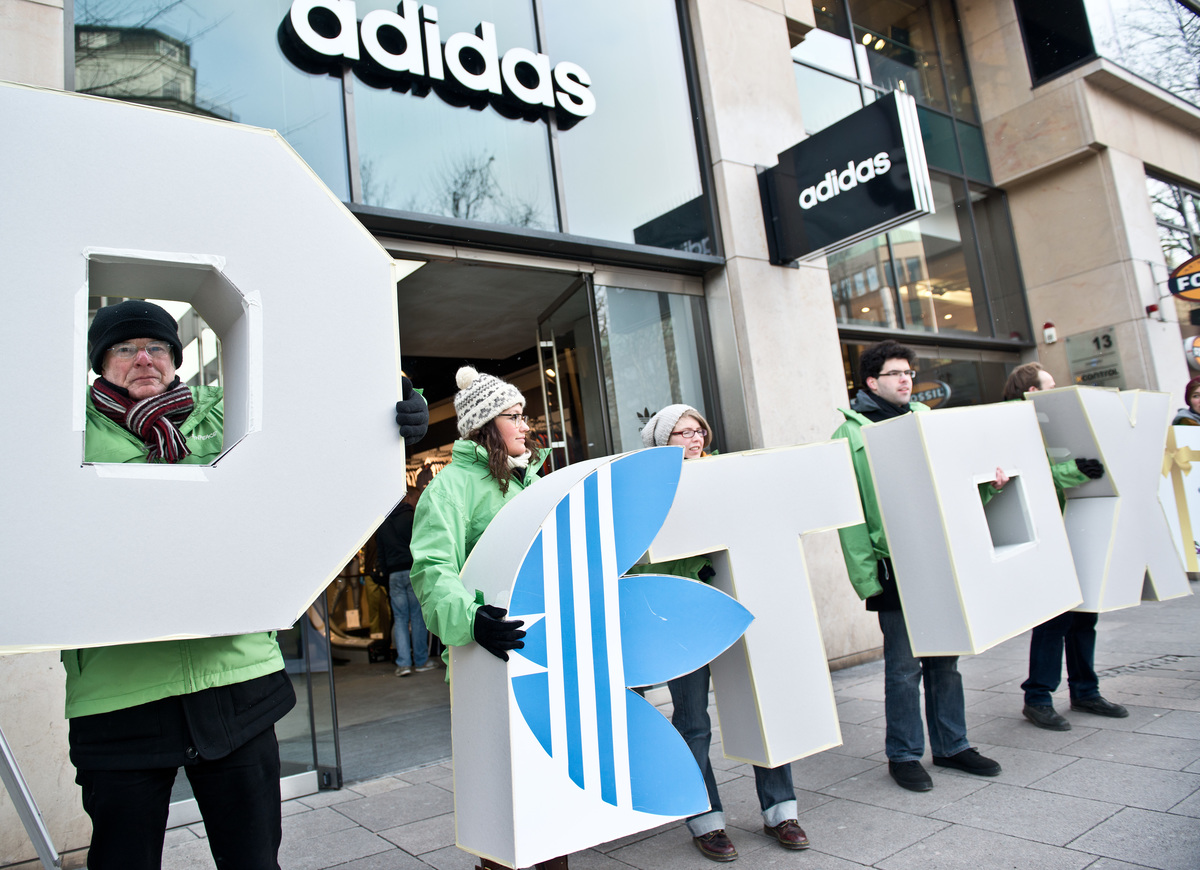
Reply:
x=886 y=377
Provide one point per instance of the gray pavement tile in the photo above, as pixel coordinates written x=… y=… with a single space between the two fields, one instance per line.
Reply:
x=189 y=856
x=294 y=807
x=1122 y=784
x=860 y=741
x=330 y=850
x=1189 y=806
x=180 y=837
x=1020 y=767
x=1113 y=864
x=1148 y=750
x=1159 y=840
x=879 y=790
x=593 y=860
x=1177 y=723
x=449 y=858
x=426 y=774
x=329 y=798
x=1139 y=715
x=1027 y=813
x=1021 y=734
x=393 y=859
x=962 y=848
x=379 y=786
x=399 y=807
x=858 y=710
x=613 y=845
x=427 y=835
x=316 y=823
x=826 y=768
x=1006 y=704
x=864 y=833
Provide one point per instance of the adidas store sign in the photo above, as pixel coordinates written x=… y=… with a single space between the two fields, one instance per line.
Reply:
x=404 y=50
x=827 y=193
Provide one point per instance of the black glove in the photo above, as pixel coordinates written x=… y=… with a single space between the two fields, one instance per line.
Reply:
x=412 y=414
x=706 y=573
x=1093 y=468
x=496 y=634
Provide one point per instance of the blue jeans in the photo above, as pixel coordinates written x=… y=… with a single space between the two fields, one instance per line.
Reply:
x=945 y=709
x=407 y=612
x=776 y=796
x=1076 y=632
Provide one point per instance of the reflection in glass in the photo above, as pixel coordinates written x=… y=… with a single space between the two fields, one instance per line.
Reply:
x=897 y=43
x=221 y=59
x=824 y=99
x=1177 y=213
x=861 y=279
x=829 y=46
x=650 y=345
x=953 y=60
x=574 y=415
x=630 y=171
x=970 y=139
x=1002 y=276
x=1156 y=39
x=945 y=381
x=421 y=154
x=937 y=134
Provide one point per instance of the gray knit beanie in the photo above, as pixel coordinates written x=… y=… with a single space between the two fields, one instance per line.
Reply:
x=481 y=398
x=658 y=429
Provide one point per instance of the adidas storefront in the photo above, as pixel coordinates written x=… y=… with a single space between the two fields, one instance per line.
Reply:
x=583 y=183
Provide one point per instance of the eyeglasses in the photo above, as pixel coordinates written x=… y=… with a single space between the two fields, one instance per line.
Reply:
x=909 y=373
x=691 y=433
x=516 y=418
x=154 y=350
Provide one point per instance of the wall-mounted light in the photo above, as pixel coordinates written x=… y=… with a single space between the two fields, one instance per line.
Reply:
x=947 y=316
x=865 y=310
x=550 y=373
x=866 y=39
x=879 y=43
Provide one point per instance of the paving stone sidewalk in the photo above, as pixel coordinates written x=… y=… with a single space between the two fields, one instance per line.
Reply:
x=1118 y=794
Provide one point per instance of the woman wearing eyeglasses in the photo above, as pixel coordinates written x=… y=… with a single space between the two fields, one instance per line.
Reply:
x=490 y=464
x=684 y=426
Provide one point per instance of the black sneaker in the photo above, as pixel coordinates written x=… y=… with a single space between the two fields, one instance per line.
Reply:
x=1100 y=707
x=910 y=775
x=969 y=761
x=1046 y=717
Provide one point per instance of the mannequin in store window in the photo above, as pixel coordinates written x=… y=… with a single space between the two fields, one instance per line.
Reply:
x=139 y=712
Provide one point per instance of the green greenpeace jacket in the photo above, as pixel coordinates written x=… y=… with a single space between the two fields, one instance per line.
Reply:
x=453 y=511
x=1066 y=475
x=103 y=679
x=865 y=544
x=688 y=567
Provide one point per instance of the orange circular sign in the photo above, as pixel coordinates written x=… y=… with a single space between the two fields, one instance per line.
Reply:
x=1185 y=280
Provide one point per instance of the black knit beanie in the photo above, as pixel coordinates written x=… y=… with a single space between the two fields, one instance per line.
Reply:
x=134 y=318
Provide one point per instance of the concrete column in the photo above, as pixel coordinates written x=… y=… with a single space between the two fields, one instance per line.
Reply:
x=775 y=338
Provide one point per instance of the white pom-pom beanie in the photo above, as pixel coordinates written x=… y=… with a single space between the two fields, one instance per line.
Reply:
x=481 y=398
x=657 y=431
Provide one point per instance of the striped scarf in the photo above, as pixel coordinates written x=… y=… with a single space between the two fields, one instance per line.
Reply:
x=155 y=420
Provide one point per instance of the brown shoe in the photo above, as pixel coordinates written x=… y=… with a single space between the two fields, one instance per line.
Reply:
x=789 y=834
x=716 y=846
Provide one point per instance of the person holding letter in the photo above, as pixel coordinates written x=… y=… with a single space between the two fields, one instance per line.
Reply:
x=1074 y=631
x=685 y=427
x=490 y=464
x=139 y=712
x=886 y=375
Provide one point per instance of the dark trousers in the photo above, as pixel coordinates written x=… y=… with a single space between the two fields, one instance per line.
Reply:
x=238 y=796
x=1074 y=632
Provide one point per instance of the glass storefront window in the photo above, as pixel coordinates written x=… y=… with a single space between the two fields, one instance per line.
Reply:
x=897 y=42
x=422 y=154
x=861 y=278
x=629 y=171
x=963 y=379
x=1158 y=40
x=1177 y=214
x=650 y=346
x=953 y=61
x=829 y=46
x=826 y=99
x=219 y=59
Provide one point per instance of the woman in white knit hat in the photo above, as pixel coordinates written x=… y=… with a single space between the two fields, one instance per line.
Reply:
x=490 y=464
x=684 y=426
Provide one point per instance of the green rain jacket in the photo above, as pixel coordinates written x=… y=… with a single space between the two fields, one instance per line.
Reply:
x=865 y=544
x=103 y=679
x=455 y=508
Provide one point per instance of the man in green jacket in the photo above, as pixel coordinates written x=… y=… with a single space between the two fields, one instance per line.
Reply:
x=140 y=711
x=886 y=375
x=1074 y=631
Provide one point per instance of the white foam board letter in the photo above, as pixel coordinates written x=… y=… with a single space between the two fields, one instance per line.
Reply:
x=107 y=198
x=970 y=577
x=774 y=695
x=1119 y=534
